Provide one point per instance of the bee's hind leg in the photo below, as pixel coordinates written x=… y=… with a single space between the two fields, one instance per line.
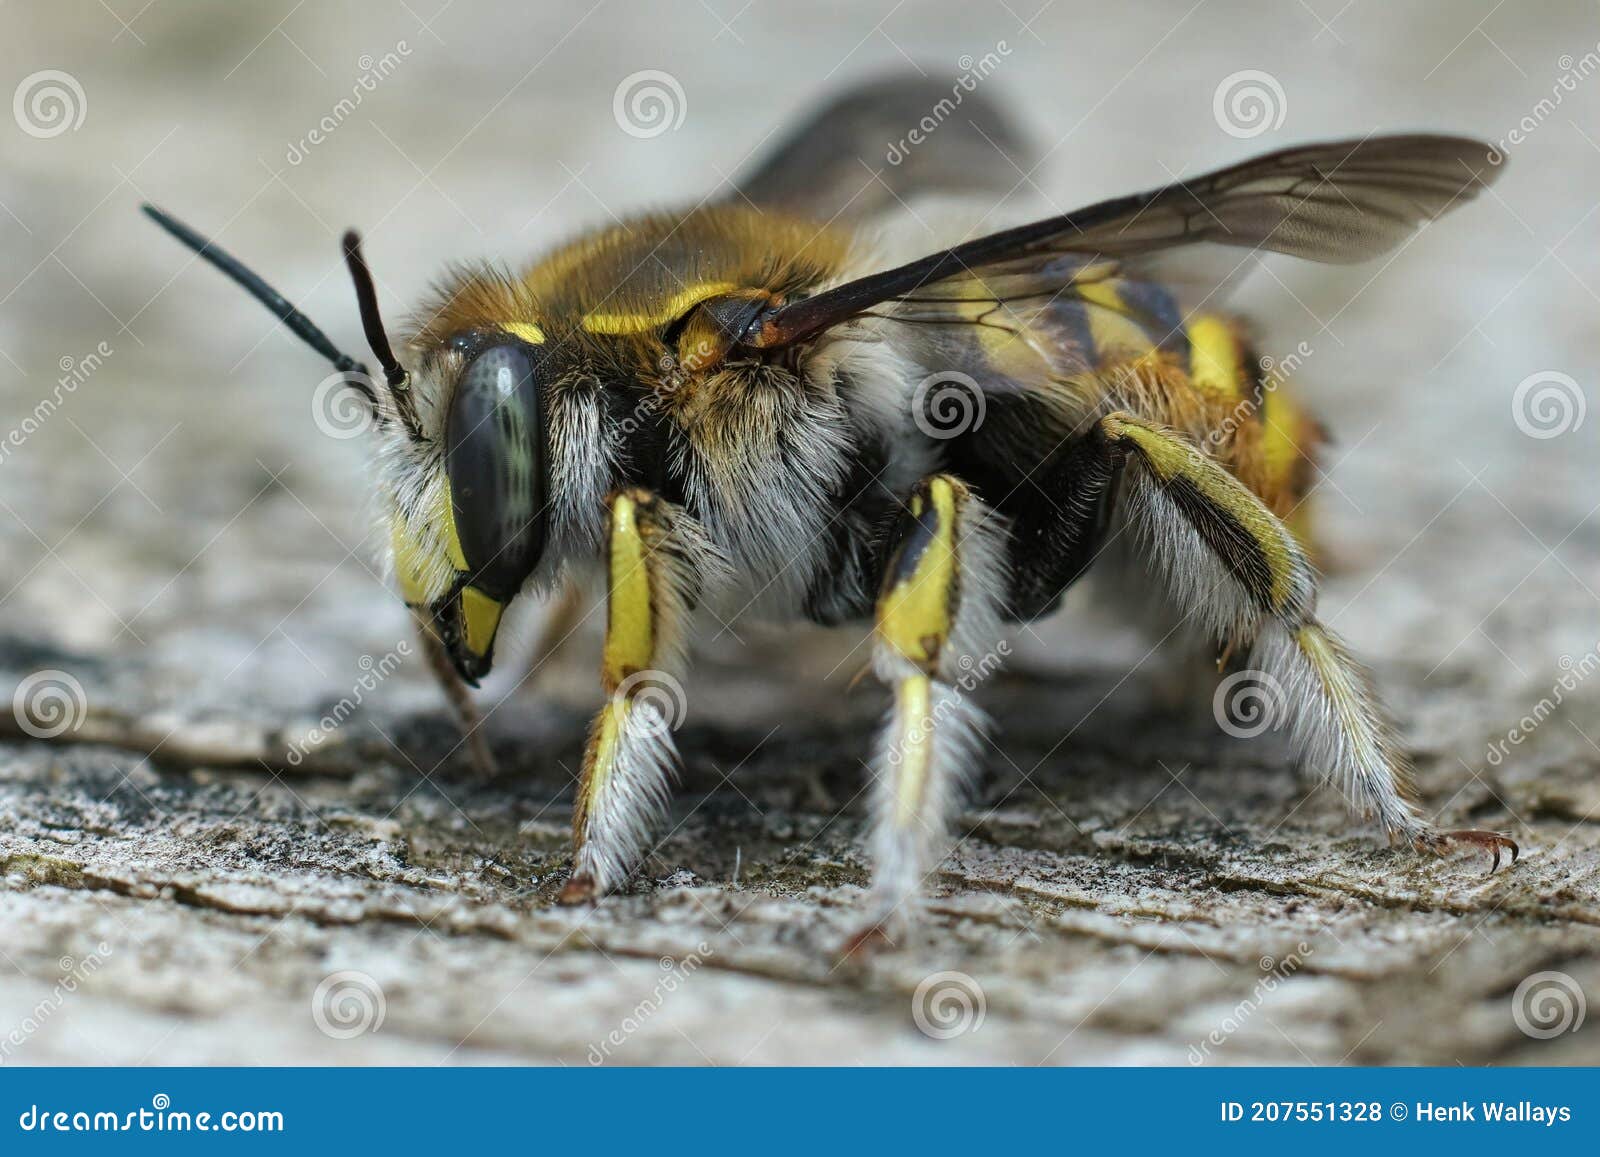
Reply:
x=657 y=564
x=937 y=635
x=1236 y=571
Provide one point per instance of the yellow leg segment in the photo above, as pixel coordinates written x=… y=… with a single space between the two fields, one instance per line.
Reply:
x=1258 y=550
x=1237 y=572
x=630 y=760
x=938 y=606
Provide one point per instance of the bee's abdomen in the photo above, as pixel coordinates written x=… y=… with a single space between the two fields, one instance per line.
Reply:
x=1200 y=373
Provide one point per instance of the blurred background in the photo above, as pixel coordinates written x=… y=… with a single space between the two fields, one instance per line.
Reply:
x=189 y=536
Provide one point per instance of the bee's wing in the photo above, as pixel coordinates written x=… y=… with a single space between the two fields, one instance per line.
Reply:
x=851 y=157
x=1339 y=202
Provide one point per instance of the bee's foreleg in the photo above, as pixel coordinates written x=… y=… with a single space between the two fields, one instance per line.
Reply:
x=1237 y=571
x=937 y=635
x=657 y=562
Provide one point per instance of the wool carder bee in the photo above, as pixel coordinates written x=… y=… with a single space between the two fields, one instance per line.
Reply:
x=728 y=410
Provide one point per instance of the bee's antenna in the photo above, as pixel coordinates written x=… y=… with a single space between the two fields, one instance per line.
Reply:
x=299 y=324
x=371 y=321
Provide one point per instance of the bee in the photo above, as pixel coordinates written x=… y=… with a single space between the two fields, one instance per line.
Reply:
x=728 y=411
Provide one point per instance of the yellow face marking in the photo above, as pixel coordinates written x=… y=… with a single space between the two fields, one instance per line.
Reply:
x=480 y=618
x=525 y=330
x=670 y=310
x=1214 y=357
x=915 y=614
x=408 y=568
x=630 y=623
x=411 y=557
x=913 y=709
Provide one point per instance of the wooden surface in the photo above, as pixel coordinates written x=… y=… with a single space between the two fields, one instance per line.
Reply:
x=1133 y=886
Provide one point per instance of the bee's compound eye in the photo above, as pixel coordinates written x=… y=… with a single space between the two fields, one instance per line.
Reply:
x=495 y=460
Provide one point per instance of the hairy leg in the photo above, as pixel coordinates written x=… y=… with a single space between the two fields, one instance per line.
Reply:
x=657 y=562
x=937 y=635
x=1234 y=568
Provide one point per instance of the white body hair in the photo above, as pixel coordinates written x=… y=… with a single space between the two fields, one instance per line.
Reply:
x=907 y=851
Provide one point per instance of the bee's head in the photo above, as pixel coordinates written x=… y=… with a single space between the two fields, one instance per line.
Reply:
x=468 y=467
x=470 y=518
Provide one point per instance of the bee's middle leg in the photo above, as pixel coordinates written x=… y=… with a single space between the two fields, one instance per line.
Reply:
x=656 y=564
x=937 y=634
